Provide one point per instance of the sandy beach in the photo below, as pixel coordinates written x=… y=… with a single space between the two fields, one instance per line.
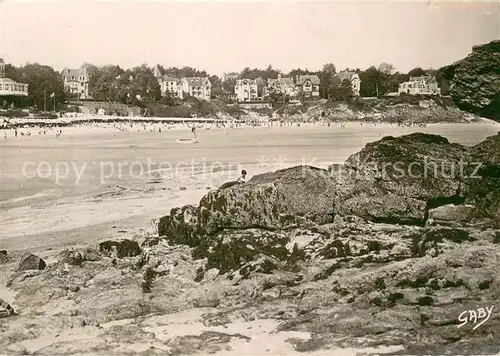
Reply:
x=54 y=184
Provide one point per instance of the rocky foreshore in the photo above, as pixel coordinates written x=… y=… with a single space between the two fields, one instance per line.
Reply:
x=383 y=253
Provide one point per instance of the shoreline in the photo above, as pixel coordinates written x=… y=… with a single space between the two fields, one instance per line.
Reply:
x=85 y=127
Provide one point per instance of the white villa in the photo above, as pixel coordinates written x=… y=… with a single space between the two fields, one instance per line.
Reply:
x=246 y=90
x=424 y=85
x=76 y=82
x=171 y=85
x=8 y=87
x=200 y=88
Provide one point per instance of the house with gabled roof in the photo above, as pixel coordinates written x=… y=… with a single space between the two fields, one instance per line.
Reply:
x=281 y=85
x=198 y=87
x=246 y=90
x=423 y=85
x=308 y=85
x=171 y=86
x=353 y=78
x=76 y=82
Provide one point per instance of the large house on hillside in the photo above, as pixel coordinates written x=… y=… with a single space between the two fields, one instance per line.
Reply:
x=353 y=78
x=8 y=87
x=281 y=85
x=308 y=85
x=246 y=90
x=170 y=85
x=76 y=82
x=424 y=85
x=200 y=88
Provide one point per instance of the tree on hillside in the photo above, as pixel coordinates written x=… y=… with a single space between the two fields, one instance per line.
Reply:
x=326 y=76
x=442 y=82
x=268 y=73
x=13 y=73
x=385 y=72
x=416 y=72
x=105 y=82
x=295 y=72
x=43 y=81
x=396 y=79
x=341 y=90
x=185 y=72
x=370 y=82
x=229 y=85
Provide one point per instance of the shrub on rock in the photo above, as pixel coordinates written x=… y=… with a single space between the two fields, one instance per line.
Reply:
x=120 y=248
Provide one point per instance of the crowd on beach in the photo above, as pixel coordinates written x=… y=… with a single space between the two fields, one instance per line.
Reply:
x=10 y=130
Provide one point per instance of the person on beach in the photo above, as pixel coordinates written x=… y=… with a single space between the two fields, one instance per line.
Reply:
x=242 y=178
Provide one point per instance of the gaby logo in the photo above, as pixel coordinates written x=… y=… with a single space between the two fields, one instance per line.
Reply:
x=476 y=316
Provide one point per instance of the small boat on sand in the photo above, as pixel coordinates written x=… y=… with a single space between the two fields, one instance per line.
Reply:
x=187 y=140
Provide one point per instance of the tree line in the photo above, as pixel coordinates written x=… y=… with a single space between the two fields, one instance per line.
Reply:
x=138 y=85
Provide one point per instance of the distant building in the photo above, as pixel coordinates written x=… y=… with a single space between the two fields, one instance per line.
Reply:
x=230 y=76
x=200 y=88
x=353 y=78
x=76 y=82
x=308 y=85
x=170 y=85
x=281 y=85
x=424 y=85
x=246 y=90
x=157 y=73
x=8 y=87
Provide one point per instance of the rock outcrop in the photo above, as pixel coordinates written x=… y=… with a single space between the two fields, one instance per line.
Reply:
x=398 y=179
x=475 y=81
x=271 y=201
x=29 y=261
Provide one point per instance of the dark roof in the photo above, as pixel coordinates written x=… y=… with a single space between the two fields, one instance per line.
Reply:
x=197 y=81
x=166 y=78
x=303 y=78
x=74 y=72
x=347 y=75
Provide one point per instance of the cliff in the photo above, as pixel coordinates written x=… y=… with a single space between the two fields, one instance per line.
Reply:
x=475 y=81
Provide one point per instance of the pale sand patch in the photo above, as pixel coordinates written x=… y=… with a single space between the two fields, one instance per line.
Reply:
x=264 y=340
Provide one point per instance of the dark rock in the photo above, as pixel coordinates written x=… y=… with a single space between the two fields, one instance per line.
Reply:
x=5 y=309
x=181 y=226
x=3 y=256
x=396 y=180
x=488 y=151
x=483 y=183
x=29 y=261
x=120 y=248
x=277 y=200
x=475 y=81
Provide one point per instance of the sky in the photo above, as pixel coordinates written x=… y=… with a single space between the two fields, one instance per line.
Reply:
x=227 y=36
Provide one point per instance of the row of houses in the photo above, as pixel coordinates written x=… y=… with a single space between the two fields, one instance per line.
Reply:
x=300 y=86
x=76 y=82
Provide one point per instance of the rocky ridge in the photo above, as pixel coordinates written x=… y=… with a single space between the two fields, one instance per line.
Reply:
x=475 y=81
